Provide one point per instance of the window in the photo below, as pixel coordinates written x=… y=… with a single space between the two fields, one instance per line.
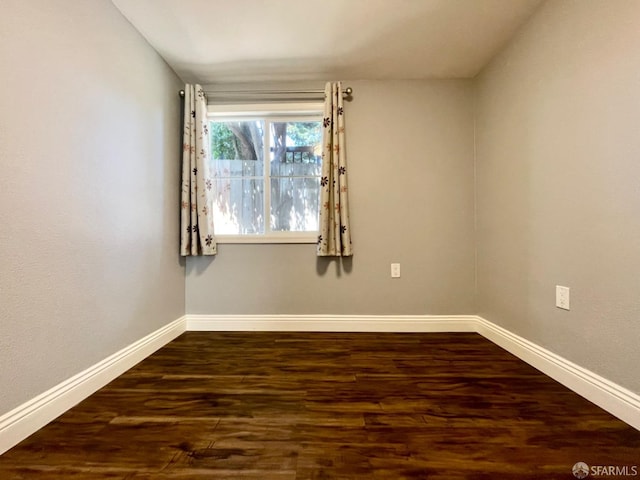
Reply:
x=276 y=200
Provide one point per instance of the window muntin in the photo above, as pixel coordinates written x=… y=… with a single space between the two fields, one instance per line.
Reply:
x=273 y=201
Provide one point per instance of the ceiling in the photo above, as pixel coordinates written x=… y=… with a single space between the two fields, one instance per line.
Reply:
x=224 y=41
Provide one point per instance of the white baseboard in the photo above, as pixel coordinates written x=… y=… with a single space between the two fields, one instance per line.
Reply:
x=27 y=418
x=331 y=323
x=24 y=420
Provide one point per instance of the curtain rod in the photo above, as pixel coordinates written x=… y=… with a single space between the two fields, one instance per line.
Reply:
x=347 y=92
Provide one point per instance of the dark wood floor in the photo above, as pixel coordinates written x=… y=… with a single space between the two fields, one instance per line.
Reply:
x=326 y=406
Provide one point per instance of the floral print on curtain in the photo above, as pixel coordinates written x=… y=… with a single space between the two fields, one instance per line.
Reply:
x=335 y=233
x=196 y=219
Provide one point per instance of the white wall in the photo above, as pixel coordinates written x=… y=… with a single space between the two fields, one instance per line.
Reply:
x=558 y=149
x=89 y=153
x=410 y=157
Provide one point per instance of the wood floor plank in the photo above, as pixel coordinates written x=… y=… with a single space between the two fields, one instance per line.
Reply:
x=299 y=406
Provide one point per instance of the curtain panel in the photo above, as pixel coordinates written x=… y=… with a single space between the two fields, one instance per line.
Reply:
x=196 y=219
x=334 y=239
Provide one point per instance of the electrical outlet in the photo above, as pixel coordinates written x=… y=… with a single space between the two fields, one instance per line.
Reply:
x=562 y=297
x=395 y=270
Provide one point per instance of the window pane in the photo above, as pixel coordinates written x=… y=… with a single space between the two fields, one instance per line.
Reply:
x=237 y=140
x=237 y=149
x=239 y=206
x=237 y=164
x=296 y=148
x=295 y=168
x=295 y=204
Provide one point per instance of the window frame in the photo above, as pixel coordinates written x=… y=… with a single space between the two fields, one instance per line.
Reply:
x=269 y=113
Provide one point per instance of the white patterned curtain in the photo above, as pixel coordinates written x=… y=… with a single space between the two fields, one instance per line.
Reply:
x=196 y=219
x=335 y=233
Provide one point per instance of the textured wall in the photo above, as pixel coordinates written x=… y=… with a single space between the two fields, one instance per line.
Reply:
x=89 y=149
x=410 y=156
x=558 y=195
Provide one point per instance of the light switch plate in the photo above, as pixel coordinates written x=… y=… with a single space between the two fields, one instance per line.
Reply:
x=562 y=297
x=395 y=270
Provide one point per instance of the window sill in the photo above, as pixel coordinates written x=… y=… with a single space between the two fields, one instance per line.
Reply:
x=272 y=238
